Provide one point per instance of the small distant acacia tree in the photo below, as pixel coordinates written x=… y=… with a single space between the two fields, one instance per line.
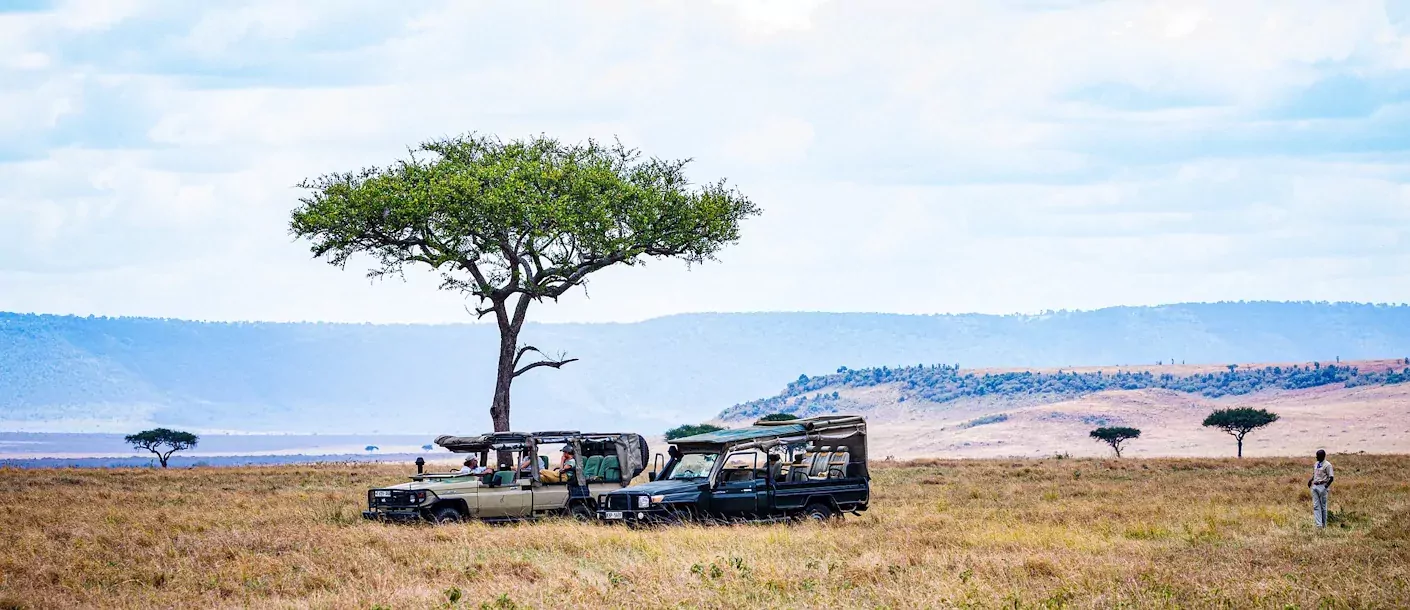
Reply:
x=1115 y=436
x=1239 y=422
x=371 y=448
x=779 y=417
x=162 y=442
x=511 y=223
x=690 y=430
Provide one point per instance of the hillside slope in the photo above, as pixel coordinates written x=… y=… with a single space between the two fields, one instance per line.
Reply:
x=1350 y=407
x=95 y=374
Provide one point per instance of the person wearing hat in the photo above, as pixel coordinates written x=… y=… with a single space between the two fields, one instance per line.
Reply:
x=472 y=466
x=567 y=464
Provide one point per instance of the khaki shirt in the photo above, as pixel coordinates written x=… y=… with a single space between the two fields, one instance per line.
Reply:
x=1322 y=472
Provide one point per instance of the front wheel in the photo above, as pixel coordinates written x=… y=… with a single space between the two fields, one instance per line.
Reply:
x=818 y=513
x=582 y=512
x=446 y=514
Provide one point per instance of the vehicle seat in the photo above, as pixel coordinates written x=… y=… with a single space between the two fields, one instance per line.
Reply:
x=504 y=477
x=735 y=475
x=819 y=466
x=837 y=465
x=543 y=462
x=611 y=469
x=592 y=468
x=799 y=472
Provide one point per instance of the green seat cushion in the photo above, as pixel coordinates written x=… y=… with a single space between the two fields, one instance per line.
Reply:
x=543 y=462
x=504 y=477
x=592 y=467
x=611 y=468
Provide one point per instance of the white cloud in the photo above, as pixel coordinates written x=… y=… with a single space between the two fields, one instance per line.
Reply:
x=913 y=157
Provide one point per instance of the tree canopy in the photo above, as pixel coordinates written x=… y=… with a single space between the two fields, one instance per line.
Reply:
x=779 y=417
x=162 y=442
x=514 y=222
x=1239 y=422
x=1115 y=436
x=690 y=430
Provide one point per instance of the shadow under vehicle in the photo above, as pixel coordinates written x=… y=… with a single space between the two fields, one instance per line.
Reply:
x=814 y=468
x=521 y=488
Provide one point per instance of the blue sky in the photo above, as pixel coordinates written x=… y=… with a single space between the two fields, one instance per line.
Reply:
x=918 y=157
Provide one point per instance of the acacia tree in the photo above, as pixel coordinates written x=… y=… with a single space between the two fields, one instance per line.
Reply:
x=517 y=222
x=690 y=430
x=1239 y=422
x=1115 y=436
x=162 y=442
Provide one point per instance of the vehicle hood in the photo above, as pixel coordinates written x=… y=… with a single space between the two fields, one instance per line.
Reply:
x=426 y=484
x=668 y=488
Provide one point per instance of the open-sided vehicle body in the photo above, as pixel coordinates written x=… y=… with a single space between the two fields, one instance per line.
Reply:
x=509 y=492
x=814 y=467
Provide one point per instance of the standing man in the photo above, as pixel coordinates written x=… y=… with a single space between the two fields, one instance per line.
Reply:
x=1320 y=482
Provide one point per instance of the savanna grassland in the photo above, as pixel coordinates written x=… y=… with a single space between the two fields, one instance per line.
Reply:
x=983 y=533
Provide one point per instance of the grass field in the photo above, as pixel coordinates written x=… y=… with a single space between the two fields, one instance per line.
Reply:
x=987 y=533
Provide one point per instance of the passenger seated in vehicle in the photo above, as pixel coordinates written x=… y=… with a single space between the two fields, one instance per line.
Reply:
x=775 y=468
x=472 y=466
x=526 y=465
x=567 y=464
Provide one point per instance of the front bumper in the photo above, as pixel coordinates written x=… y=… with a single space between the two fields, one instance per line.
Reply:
x=655 y=514
x=392 y=515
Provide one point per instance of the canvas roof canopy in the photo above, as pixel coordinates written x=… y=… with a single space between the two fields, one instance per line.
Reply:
x=631 y=449
x=847 y=432
x=485 y=442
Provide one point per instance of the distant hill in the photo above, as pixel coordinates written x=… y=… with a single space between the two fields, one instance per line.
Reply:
x=938 y=385
x=105 y=374
x=937 y=411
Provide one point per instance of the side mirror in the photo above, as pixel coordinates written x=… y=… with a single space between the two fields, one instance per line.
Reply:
x=651 y=476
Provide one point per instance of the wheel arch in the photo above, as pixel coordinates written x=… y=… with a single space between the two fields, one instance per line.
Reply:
x=457 y=503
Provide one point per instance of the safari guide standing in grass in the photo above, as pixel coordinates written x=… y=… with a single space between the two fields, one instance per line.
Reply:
x=1320 y=482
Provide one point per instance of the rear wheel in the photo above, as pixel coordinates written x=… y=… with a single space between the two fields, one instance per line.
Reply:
x=818 y=512
x=446 y=514
x=582 y=512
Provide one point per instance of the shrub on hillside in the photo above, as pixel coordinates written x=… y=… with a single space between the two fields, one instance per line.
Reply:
x=690 y=430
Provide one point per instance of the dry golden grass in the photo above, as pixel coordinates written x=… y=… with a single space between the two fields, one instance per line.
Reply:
x=991 y=533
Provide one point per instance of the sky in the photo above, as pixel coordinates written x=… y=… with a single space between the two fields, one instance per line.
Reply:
x=910 y=157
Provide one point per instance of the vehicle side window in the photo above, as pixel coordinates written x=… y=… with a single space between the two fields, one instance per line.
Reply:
x=741 y=469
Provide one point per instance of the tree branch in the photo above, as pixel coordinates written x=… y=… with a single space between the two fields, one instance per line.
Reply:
x=524 y=350
x=551 y=363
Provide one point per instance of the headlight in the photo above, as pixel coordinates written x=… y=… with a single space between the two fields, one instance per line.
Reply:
x=658 y=499
x=643 y=502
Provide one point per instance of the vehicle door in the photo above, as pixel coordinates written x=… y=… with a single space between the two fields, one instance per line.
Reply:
x=510 y=499
x=738 y=485
x=548 y=496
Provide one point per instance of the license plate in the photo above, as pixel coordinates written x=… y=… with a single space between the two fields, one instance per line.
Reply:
x=614 y=514
x=382 y=494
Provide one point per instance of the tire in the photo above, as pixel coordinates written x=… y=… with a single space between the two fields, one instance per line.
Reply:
x=446 y=514
x=581 y=512
x=818 y=512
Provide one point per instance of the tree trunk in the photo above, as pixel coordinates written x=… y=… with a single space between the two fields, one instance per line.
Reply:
x=1241 y=445
x=163 y=459
x=504 y=378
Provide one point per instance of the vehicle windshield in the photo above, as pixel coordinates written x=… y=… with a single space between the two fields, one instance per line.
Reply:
x=693 y=465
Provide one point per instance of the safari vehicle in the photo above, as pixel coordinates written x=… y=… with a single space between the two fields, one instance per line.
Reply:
x=813 y=468
x=608 y=460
